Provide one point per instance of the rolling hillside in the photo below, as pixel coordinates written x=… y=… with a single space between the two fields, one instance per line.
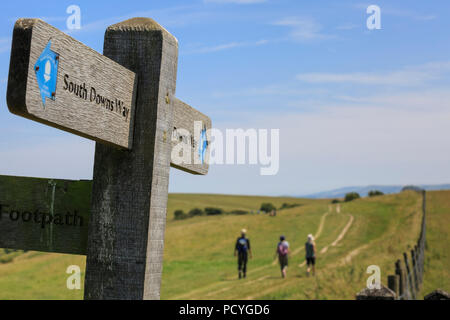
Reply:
x=199 y=262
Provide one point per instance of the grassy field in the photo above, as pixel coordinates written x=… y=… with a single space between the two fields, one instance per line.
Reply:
x=437 y=257
x=199 y=262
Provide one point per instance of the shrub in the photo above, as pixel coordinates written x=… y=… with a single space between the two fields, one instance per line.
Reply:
x=239 y=212
x=334 y=201
x=196 y=212
x=413 y=188
x=351 y=196
x=374 y=193
x=289 y=205
x=179 y=215
x=267 y=207
x=213 y=211
x=8 y=255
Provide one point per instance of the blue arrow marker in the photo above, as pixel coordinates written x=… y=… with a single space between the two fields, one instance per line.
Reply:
x=203 y=145
x=46 y=69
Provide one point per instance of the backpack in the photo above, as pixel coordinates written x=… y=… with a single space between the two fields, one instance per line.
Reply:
x=242 y=245
x=282 y=249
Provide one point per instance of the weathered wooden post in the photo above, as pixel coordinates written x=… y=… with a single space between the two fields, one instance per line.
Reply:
x=438 y=294
x=413 y=271
x=393 y=284
x=125 y=101
x=403 y=290
x=384 y=293
x=421 y=262
x=129 y=197
x=416 y=267
x=409 y=278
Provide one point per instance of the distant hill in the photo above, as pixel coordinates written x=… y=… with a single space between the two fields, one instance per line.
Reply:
x=364 y=190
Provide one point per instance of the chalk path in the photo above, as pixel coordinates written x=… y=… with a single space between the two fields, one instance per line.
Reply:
x=316 y=236
x=341 y=235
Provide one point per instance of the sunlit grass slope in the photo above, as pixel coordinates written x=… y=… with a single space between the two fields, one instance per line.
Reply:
x=437 y=254
x=199 y=262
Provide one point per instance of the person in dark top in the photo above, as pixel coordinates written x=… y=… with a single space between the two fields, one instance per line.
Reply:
x=242 y=250
x=310 y=249
x=283 y=255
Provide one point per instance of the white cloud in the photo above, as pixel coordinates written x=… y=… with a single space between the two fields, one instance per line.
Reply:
x=276 y=90
x=65 y=158
x=44 y=18
x=408 y=76
x=404 y=12
x=235 y=1
x=226 y=46
x=429 y=100
x=171 y=16
x=303 y=29
x=349 y=26
x=400 y=138
x=389 y=139
x=372 y=138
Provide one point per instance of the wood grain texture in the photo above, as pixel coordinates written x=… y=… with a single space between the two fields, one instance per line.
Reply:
x=185 y=136
x=33 y=218
x=130 y=189
x=82 y=65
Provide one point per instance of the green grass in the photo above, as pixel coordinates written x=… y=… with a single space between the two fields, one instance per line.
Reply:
x=437 y=253
x=199 y=261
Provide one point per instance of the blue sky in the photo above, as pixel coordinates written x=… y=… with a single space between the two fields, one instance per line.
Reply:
x=354 y=106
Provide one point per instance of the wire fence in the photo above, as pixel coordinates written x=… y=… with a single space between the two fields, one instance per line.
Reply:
x=407 y=281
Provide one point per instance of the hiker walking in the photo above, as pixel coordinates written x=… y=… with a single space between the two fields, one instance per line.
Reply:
x=242 y=250
x=310 y=249
x=283 y=252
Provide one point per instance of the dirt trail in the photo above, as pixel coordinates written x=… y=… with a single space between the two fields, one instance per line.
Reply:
x=341 y=235
x=318 y=233
x=335 y=242
x=243 y=284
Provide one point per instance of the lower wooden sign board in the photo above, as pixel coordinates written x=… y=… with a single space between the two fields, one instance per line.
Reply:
x=44 y=214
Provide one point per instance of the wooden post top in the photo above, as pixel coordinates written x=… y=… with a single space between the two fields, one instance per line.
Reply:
x=139 y=24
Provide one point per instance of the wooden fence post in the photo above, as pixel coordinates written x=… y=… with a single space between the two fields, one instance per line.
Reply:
x=424 y=219
x=384 y=293
x=414 y=270
x=418 y=267
x=394 y=284
x=412 y=294
x=402 y=281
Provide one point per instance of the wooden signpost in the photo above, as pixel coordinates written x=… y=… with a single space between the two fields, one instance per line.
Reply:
x=125 y=101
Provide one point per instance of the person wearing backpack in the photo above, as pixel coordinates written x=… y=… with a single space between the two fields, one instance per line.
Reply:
x=283 y=253
x=310 y=249
x=242 y=250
